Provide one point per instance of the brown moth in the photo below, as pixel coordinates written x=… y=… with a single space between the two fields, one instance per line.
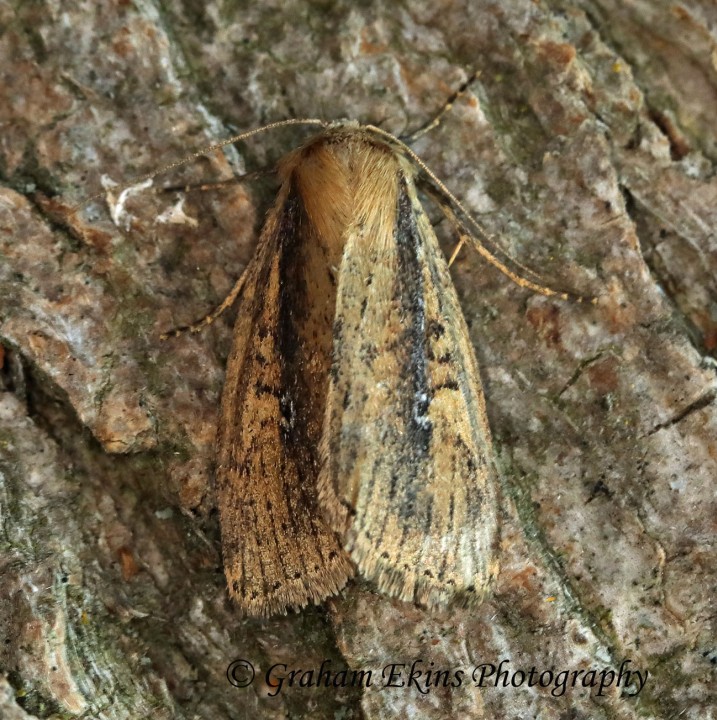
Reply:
x=353 y=432
x=353 y=429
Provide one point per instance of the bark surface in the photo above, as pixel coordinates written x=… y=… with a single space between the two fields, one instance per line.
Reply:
x=586 y=148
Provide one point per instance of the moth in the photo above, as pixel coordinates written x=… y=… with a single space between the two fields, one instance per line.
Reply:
x=353 y=433
x=353 y=429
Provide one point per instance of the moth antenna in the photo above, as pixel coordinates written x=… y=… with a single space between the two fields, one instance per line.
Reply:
x=447 y=106
x=201 y=152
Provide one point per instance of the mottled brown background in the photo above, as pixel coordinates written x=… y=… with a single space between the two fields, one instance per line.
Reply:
x=588 y=144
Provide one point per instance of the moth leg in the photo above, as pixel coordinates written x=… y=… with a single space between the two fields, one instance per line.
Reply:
x=209 y=319
x=448 y=201
x=230 y=299
x=447 y=106
x=201 y=153
x=218 y=184
x=465 y=236
x=461 y=242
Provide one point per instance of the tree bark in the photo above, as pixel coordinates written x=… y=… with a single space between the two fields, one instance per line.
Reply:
x=586 y=148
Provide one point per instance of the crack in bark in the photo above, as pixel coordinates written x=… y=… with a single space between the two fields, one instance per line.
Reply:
x=534 y=535
x=696 y=405
x=577 y=373
x=634 y=205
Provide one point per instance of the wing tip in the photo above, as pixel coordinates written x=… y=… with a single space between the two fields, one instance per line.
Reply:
x=293 y=594
x=423 y=585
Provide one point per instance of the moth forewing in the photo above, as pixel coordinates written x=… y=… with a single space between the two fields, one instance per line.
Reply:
x=408 y=476
x=278 y=551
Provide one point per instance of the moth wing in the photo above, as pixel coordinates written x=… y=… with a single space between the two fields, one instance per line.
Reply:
x=408 y=473
x=278 y=551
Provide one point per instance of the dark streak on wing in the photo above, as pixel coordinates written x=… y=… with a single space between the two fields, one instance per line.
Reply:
x=410 y=291
x=409 y=295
